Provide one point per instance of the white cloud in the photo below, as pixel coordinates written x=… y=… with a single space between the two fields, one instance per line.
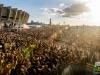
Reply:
x=49 y=12
x=72 y=10
x=82 y=0
x=62 y=5
x=75 y=10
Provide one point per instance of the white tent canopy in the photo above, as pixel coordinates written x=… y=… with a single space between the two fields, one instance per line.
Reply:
x=1 y=25
x=23 y=26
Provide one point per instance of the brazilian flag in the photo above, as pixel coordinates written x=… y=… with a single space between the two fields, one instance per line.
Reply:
x=96 y=69
x=26 y=51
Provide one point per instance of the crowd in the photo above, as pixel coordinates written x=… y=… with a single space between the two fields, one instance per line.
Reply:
x=33 y=52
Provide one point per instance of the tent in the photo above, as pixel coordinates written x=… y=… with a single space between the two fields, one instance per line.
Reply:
x=23 y=26
x=1 y=25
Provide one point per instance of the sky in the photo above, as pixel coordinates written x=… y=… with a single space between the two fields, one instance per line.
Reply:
x=73 y=12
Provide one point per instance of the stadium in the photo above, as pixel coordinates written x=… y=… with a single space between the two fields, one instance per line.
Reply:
x=10 y=17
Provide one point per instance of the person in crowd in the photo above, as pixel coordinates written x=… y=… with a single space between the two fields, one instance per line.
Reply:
x=34 y=52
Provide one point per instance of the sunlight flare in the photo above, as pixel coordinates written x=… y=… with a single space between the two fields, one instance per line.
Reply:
x=94 y=6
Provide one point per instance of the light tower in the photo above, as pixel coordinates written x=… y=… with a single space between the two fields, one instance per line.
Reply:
x=64 y=22
x=50 y=21
x=59 y=23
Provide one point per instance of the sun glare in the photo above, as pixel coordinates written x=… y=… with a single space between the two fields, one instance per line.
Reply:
x=94 y=6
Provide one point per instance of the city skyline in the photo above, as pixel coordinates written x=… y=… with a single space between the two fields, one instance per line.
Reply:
x=75 y=12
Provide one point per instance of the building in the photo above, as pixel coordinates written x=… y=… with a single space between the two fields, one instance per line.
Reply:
x=11 y=17
x=35 y=23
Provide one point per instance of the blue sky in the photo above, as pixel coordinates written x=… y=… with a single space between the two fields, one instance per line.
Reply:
x=58 y=10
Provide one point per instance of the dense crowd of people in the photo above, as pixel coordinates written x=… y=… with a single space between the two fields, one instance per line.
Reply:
x=34 y=52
